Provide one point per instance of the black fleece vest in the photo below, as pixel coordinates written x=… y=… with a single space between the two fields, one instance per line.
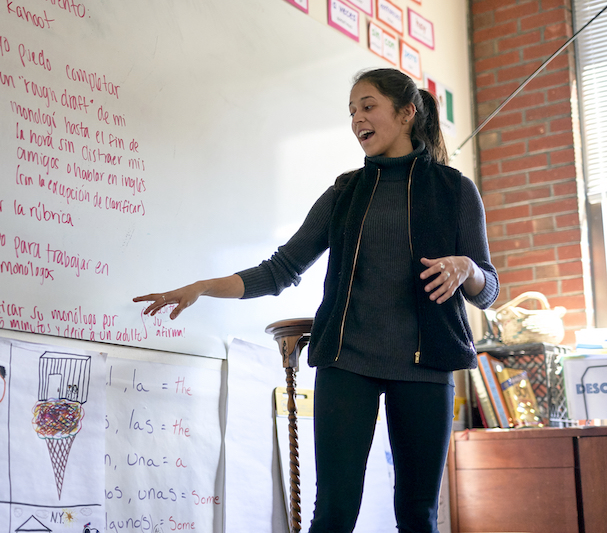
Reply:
x=445 y=339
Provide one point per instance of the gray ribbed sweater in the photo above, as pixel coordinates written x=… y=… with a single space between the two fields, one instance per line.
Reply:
x=381 y=326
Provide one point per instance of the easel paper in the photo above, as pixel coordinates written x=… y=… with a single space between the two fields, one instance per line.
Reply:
x=163 y=456
x=51 y=432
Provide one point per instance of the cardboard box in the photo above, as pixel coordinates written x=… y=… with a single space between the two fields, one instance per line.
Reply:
x=586 y=386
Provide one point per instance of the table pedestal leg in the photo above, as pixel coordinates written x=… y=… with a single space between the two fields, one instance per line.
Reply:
x=292 y=336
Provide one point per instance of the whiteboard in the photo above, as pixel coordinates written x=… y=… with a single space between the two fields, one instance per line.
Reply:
x=147 y=144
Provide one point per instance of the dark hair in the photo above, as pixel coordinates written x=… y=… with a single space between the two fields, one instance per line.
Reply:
x=401 y=89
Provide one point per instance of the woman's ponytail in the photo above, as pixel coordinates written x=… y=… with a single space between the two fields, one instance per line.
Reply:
x=428 y=128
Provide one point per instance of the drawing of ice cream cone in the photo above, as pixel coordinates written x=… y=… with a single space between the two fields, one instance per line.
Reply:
x=58 y=414
x=58 y=422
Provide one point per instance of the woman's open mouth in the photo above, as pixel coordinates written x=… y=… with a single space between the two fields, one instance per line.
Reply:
x=363 y=135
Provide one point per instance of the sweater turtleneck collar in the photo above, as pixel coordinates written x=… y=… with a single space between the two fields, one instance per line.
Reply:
x=396 y=162
x=395 y=168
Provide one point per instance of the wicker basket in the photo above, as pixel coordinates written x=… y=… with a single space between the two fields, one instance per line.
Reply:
x=520 y=326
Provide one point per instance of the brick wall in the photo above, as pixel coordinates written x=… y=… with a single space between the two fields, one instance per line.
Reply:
x=527 y=154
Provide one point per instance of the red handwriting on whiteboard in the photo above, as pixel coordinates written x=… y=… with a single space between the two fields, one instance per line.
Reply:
x=72 y=322
x=26 y=247
x=5 y=46
x=68 y=260
x=95 y=81
x=76 y=129
x=71 y=194
x=36 y=58
x=35 y=115
x=76 y=102
x=41 y=213
x=137 y=185
x=23 y=179
x=38 y=158
x=40 y=91
x=26 y=269
x=38 y=20
x=69 y=6
x=7 y=80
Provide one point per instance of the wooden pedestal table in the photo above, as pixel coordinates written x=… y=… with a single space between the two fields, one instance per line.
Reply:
x=292 y=335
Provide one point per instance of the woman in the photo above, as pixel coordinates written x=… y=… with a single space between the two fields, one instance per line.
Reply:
x=407 y=244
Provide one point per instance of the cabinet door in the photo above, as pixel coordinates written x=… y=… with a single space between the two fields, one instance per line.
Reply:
x=534 y=500
x=593 y=480
x=516 y=485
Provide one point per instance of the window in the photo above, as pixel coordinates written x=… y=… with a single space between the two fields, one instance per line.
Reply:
x=591 y=55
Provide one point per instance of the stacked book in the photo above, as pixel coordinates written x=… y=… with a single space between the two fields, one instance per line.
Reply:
x=504 y=395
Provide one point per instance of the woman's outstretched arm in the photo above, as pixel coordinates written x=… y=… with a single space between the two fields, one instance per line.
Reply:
x=226 y=287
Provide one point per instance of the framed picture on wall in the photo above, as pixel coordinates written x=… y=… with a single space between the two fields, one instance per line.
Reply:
x=366 y=6
x=410 y=60
x=421 y=29
x=383 y=43
x=376 y=39
x=300 y=4
x=391 y=15
x=390 y=48
x=344 y=18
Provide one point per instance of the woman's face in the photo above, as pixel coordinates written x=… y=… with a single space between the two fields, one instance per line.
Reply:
x=380 y=130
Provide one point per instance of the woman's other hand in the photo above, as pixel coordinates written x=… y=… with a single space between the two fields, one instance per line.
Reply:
x=452 y=271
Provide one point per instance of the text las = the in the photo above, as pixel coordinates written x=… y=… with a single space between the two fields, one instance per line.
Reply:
x=139 y=423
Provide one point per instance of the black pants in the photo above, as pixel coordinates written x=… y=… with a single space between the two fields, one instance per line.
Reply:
x=419 y=417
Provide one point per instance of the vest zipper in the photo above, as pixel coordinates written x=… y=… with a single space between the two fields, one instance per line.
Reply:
x=360 y=234
x=418 y=352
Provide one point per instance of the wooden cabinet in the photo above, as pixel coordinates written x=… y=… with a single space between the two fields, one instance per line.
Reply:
x=546 y=480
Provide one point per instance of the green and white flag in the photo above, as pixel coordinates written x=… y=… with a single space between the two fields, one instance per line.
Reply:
x=445 y=103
